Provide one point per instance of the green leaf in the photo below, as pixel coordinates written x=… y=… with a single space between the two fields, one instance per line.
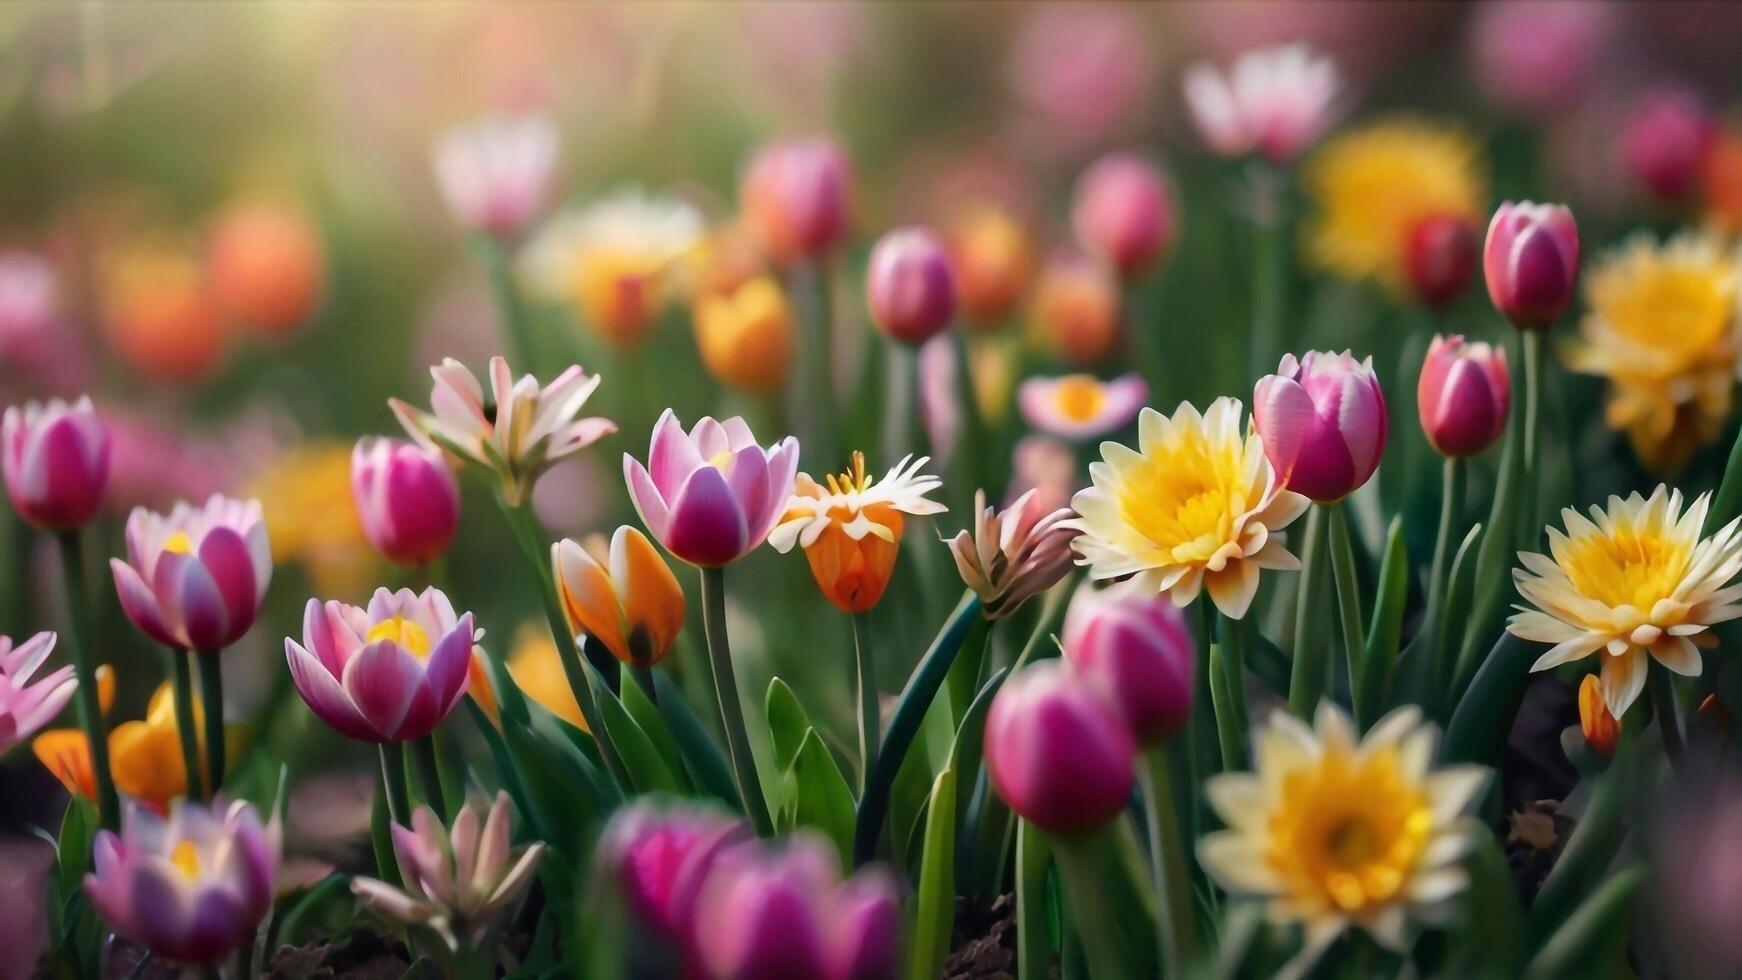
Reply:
x=647 y=768
x=1269 y=663
x=647 y=717
x=1484 y=715
x=1379 y=655
x=1460 y=592
x=1594 y=939
x=1493 y=574
x=1493 y=934
x=1033 y=924
x=965 y=758
x=1727 y=503
x=707 y=765
x=935 y=903
x=820 y=796
x=555 y=784
x=787 y=723
x=1592 y=848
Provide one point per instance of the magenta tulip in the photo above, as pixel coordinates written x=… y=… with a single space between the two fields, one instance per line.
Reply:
x=1531 y=261
x=407 y=499
x=660 y=856
x=1665 y=141
x=388 y=673
x=1323 y=422
x=1463 y=395
x=56 y=460
x=26 y=706
x=192 y=889
x=1133 y=645
x=195 y=578
x=711 y=495
x=909 y=285
x=1123 y=213
x=1057 y=752
x=1441 y=258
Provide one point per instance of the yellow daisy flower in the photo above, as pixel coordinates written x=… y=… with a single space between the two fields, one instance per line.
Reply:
x=1338 y=831
x=1634 y=579
x=1373 y=186
x=1662 y=329
x=1195 y=506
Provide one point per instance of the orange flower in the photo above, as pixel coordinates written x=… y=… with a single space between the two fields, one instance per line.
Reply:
x=993 y=263
x=1076 y=310
x=745 y=335
x=157 y=314
x=65 y=752
x=627 y=599
x=1722 y=179
x=266 y=267
x=144 y=756
x=1601 y=728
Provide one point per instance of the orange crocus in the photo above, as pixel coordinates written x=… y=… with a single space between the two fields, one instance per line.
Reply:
x=1601 y=728
x=626 y=598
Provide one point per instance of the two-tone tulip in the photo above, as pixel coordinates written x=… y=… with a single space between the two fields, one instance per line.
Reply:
x=796 y=198
x=1323 y=421
x=495 y=173
x=1133 y=645
x=1531 y=262
x=710 y=495
x=993 y=261
x=407 y=499
x=194 y=579
x=1057 y=752
x=1123 y=213
x=658 y=856
x=1463 y=395
x=627 y=599
x=1012 y=555
x=56 y=462
x=909 y=285
x=388 y=673
x=1076 y=309
x=1275 y=101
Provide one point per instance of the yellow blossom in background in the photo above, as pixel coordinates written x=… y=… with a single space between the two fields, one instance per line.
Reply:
x=1371 y=187
x=1661 y=329
x=536 y=666
x=311 y=520
x=1335 y=831
x=745 y=335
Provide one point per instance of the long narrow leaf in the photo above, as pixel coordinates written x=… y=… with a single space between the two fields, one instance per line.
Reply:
x=1595 y=936
x=1484 y=715
x=1033 y=924
x=707 y=765
x=935 y=904
x=1379 y=654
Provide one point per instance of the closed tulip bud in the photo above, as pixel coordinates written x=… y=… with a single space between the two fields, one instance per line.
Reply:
x=909 y=285
x=994 y=264
x=659 y=858
x=266 y=267
x=1600 y=727
x=1123 y=213
x=1441 y=258
x=1056 y=751
x=1463 y=395
x=1323 y=422
x=796 y=198
x=1531 y=262
x=1133 y=645
x=407 y=499
x=1076 y=310
x=195 y=578
x=626 y=598
x=1665 y=141
x=56 y=461
x=745 y=335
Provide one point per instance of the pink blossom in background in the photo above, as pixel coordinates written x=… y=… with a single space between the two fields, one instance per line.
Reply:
x=1085 y=72
x=1537 y=56
x=41 y=352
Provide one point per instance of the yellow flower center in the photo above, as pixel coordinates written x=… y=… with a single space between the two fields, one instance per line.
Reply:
x=179 y=543
x=186 y=858
x=1632 y=566
x=402 y=632
x=855 y=479
x=721 y=460
x=1349 y=832
x=1185 y=497
x=1079 y=397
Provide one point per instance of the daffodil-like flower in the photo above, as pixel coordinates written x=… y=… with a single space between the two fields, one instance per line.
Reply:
x=1337 y=831
x=1633 y=580
x=1195 y=506
x=851 y=528
x=518 y=433
x=1662 y=330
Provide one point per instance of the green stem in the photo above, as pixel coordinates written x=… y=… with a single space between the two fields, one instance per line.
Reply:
x=1167 y=856
x=1033 y=928
x=90 y=709
x=509 y=306
x=1090 y=906
x=811 y=395
x=1348 y=591
x=1451 y=517
x=870 y=715
x=1228 y=690
x=212 y=702
x=731 y=708
x=1270 y=275
x=393 y=778
x=1527 y=526
x=971 y=443
x=1662 y=690
x=429 y=775
x=1306 y=684
x=184 y=720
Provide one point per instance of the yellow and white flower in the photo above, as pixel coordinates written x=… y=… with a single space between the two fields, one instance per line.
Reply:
x=1635 y=579
x=1195 y=506
x=1337 y=831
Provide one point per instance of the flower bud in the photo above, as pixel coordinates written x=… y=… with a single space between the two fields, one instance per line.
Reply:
x=909 y=285
x=1124 y=213
x=407 y=499
x=1531 y=262
x=1323 y=421
x=56 y=459
x=1056 y=751
x=1600 y=727
x=1665 y=141
x=746 y=335
x=1076 y=310
x=265 y=267
x=1133 y=646
x=796 y=198
x=865 y=932
x=1463 y=395
x=495 y=173
x=1441 y=258
x=660 y=857
x=993 y=262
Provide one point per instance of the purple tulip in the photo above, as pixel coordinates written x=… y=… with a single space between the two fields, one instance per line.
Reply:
x=711 y=495
x=909 y=285
x=1531 y=262
x=1665 y=142
x=56 y=460
x=407 y=499
x=25 y=706
x=495 y=173
x=1056 y=751
x=194 y=579
x=192 y=889
x=1463 y=395
x=1323 y=422
x=389 y=673
x=1134 y=646
x=1124 y=213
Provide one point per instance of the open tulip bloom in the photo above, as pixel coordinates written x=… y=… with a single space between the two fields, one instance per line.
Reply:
x=194 y=578
x=710 y=495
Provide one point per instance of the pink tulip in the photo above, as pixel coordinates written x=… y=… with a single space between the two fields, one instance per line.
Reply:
x=660 y=857
x=1133 y=645
x=1323 y=422
x=909 y=285
x=1276 y=101
x=1441 y=258
x=1665 y=141
x=495 y=173
x=56 y=460
x=1531 y=261
x=1463 y=395
x=389 y=673
x=195 y=579
x=407 y=499
x=796 y=198
x=25 y=706
x=1539 y=55
x=711 y=495
x=1123 y=213
x=1057 y=752
x=192 y=889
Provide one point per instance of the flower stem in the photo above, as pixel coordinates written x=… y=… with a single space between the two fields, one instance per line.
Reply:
x=90 y=708
x=393 y=778
x=1451 y=515
x=731 y=708
x=1664 y=707
x=971 y=443
x=1526 y=523
x=1348 y=591
x=212 y=701
x=810 y=397
x=869 y=713
x=429 y=776
x=1084 y=869
x=1270 y=256
x=1168 y=858
x=509 y=306
x=184 y=720
x=1228 y=691
x=1306 y=683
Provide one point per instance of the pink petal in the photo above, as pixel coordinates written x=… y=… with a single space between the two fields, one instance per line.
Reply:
x=384 y=683
x=226 y=558
x=645 y=495
x=323 y=694
x=707 y=525
x=672 y=456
